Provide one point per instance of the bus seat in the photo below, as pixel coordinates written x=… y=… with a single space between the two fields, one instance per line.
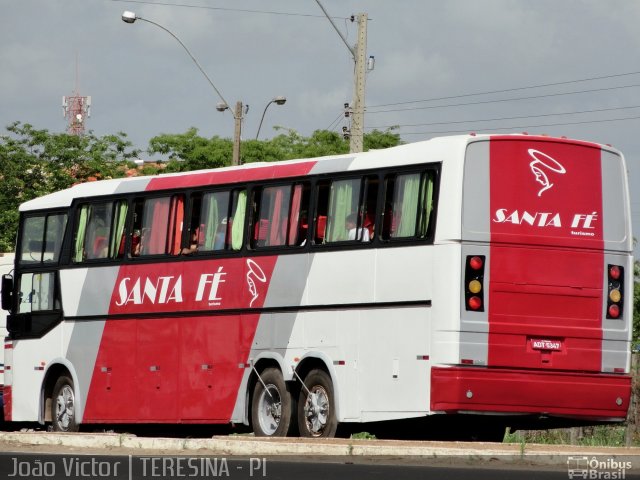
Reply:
x=321 y=226
x=369 y=223
x=121 y=246
x=261 y=229
x=100 y=248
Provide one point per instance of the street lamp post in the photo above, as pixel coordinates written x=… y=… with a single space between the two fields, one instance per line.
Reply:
x=131 y=17
x=237 y=130
x=278 y=101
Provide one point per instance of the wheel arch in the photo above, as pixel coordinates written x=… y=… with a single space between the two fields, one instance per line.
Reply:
x=57 y=368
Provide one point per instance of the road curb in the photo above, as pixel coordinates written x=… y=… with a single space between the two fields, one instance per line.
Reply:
x=250 y=446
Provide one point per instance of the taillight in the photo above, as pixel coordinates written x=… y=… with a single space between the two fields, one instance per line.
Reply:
x=474 y=283
x=615 y=292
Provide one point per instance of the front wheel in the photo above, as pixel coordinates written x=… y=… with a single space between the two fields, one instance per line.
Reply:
x=63 y=406
x=271 y=405
x=316 y=406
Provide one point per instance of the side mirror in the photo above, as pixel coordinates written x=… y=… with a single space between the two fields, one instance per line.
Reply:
x=7 y=292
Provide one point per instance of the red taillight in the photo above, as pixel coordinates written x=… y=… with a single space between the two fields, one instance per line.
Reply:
x=474 y=283
x=613 y=311
x=615 y=291
x=475 y=303
x=476 y=263
x=614 y=272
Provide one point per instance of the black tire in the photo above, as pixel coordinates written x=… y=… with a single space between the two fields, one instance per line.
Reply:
x=63 y=406
x=271 y=408
x=317 y=418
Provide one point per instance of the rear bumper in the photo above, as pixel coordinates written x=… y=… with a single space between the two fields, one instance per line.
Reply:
x=486 y=390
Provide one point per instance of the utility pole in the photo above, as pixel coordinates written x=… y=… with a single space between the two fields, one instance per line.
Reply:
x=359 y=54
x=356 y=142
x=237 y=116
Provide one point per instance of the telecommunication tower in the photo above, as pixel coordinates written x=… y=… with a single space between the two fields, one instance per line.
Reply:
x=76 y=109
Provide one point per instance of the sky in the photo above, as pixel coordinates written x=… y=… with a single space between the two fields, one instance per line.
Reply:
x=435 y=61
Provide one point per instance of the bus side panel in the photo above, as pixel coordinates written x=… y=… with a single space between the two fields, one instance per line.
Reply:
x=161 y=369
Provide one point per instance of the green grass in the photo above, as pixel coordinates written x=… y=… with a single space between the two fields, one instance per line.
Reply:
x=598 y=436
x=363 y=436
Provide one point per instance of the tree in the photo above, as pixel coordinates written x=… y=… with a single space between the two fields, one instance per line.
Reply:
x=35 y=162
x=377 y=140
x=189 y=151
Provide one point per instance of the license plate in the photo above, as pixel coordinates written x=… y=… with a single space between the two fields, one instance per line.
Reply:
x=546 y=344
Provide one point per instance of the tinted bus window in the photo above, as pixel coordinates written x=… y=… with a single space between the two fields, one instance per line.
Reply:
x=217 y=221
x=408 y=205
x=346 y=210
x=36 y=292
x=42 y=238
x=99 y=232
x=280 y=216
x=157 y=228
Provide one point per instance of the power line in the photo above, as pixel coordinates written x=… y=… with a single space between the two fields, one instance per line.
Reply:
x=335 y=121
x=506 y=90
x=224 y=9
x=506 y=118
x=517 y=127
x=531 y=97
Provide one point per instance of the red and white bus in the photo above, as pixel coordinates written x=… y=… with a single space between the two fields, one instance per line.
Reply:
x=486 y=275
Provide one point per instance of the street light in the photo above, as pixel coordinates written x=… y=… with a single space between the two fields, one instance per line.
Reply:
x=131 y=17
x=280 y=100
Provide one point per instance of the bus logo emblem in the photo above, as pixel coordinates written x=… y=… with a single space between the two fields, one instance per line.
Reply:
x=254 y=273
x=542 y=161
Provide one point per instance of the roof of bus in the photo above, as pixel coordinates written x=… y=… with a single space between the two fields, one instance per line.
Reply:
x=441 y=149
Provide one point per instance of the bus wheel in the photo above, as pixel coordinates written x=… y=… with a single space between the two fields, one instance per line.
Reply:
x=271 y=406
x=63 y=406
x=316 y=406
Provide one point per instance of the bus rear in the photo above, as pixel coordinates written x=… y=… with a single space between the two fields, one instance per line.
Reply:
x=546 y=282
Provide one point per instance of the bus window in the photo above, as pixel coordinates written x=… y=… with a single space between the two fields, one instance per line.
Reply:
x=217 y=221
x=99 y=231
x=350 y=210
x=36 y=292
x=408 y=205
x=42 y=238
x=157 y=228
x=213 y=220
x=280 y=216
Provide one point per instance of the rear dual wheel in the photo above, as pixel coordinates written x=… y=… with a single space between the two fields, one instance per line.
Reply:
x=316 y=406
x=271 y=405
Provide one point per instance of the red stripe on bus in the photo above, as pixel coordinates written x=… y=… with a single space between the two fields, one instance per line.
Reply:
x=7 y=400
x=221 y=177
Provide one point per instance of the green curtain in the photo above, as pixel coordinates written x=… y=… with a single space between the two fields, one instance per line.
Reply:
x=426 y=204
x=407 y=193
x=340 y=206
x=120 y=218
x=237 y=228
x=211 y=219
x=80 y=234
